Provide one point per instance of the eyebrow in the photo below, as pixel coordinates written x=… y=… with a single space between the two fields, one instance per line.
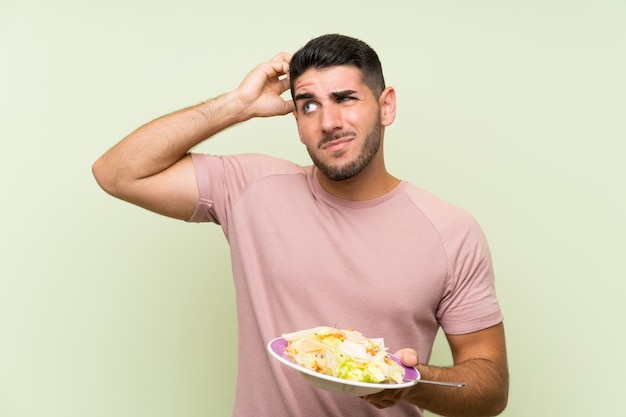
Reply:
x=303 y=96
x=336 y=94
x=344 y=93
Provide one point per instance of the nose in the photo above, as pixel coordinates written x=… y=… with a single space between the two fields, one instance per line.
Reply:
x=331 y=118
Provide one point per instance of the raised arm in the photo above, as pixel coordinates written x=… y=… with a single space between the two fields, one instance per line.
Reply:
x=151 y=167
x=479 y=360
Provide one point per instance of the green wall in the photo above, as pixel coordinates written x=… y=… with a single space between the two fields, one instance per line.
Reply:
x=511 y=109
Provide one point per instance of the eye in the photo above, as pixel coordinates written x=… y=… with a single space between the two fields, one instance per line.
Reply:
x=345 y=99
x=309 y=106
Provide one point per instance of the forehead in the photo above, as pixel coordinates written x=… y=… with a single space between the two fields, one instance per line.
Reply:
x=331 y=79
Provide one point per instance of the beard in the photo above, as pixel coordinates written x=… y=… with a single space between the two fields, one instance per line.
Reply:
x=368 y=151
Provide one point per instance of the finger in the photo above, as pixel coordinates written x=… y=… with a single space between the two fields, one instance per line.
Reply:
x=381 y=403
x=284 y=84
x=275 y=70
x=288 y=107
x=280 y=63
x=408 y=356
x=283 y=56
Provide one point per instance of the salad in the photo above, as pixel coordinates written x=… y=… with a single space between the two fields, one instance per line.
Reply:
x=345 y=354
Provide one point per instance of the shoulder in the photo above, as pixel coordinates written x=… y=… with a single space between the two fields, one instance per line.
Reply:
x=222 y=181
x=458 y=230
x=245 y=160
x=249 y=166
x=437 y=210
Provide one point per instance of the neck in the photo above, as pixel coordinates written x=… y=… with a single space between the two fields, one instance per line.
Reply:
x=369 y=184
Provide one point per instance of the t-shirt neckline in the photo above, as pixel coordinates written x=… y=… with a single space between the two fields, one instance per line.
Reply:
x=324 y=195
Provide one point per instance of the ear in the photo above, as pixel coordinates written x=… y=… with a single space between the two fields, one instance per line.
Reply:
x=295 y=115
x=387 y=102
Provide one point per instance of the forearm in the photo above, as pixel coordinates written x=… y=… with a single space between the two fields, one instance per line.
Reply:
x=151 y=167
x=160 y=143
x=485 y=394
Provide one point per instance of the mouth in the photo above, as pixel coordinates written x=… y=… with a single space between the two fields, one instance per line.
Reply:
x=334 y=143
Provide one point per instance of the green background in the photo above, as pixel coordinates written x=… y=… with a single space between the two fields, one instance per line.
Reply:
x=514 y=110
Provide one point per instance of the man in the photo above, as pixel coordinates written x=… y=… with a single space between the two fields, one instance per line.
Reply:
x=341 y=242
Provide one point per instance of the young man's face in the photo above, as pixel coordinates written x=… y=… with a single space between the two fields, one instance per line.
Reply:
x=339 y=120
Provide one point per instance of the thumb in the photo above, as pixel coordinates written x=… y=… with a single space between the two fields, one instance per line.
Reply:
x=289 y=107
x=408 y=356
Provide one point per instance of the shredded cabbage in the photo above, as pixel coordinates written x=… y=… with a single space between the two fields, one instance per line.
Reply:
x=344 y=354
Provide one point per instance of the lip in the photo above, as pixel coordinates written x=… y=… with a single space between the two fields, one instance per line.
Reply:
x=337 y=144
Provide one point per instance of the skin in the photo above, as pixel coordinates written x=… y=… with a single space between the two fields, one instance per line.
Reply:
x=342 y=124
x=479 y=360
x=151 y=167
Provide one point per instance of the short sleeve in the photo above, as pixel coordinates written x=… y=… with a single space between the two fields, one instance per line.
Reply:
x=202 y=212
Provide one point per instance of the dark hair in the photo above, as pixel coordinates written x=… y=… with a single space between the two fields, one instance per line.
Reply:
x=333 y=50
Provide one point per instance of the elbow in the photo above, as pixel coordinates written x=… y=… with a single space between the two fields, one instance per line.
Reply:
x=499 y=397
x=489 y=403
x=499 y=402
x=488 y=407
x=104 y=176
x=499 y=406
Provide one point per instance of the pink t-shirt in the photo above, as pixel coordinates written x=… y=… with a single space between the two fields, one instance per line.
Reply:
x=396 y=267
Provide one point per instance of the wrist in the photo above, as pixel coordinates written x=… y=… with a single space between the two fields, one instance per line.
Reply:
x=225 y=110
